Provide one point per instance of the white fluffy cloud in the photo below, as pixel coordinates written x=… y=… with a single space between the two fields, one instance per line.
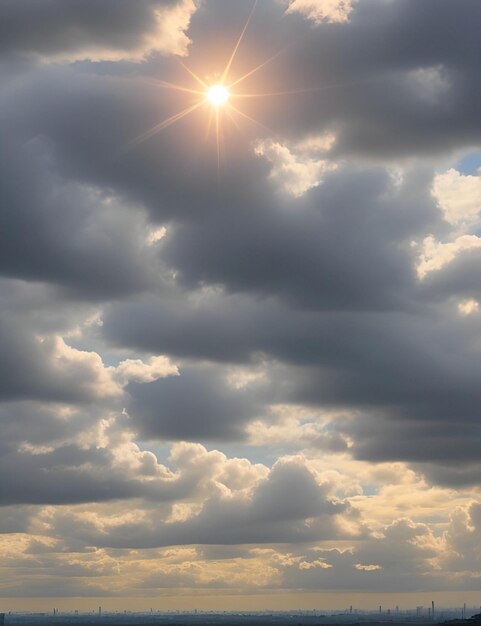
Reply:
x=459 y=197
x=323 y=10
x=296 y=170
x=436 y=254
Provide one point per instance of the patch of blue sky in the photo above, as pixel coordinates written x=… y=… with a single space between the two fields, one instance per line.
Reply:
x=470 y=164
x=255 y=454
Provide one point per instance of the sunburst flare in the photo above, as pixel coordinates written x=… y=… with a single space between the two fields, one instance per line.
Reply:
x=218 y=95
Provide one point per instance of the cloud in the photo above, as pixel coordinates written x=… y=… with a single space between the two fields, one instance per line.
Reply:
x=197 y=404
x=46 y=368
x=263 y=516
x=89 y=249
x=322 y=10
x=468 y=307
x=294 y=174
x=458 y=197
x=436 y=255
x=100 y=464
x=140 y=372
x=319 y=254
x=112 y=30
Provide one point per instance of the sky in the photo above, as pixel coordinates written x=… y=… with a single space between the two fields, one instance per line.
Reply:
x=240 y=342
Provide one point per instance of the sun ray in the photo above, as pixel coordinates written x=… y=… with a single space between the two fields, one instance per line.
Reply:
x=264 y=94
x=166 y=85
x=248 y=117
x=164 y=124
x=256 y=69
x=225 y=73
x=209 y=123
x=217 y=132
x=194 y=75
x=232 y=118
x=319 y=89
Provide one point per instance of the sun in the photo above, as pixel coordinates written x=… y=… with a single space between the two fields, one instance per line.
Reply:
x=218 y=95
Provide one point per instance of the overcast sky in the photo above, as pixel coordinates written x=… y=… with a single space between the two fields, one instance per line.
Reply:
x=239 y=357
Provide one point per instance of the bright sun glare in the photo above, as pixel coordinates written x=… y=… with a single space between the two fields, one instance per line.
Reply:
x=218 y=95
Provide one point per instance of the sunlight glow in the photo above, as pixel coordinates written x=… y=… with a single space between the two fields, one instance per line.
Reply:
x=218 y=95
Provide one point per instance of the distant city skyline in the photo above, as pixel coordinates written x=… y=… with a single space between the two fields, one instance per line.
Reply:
x=446 y=602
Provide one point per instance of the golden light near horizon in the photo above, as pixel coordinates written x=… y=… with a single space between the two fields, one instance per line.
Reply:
x=218 y=95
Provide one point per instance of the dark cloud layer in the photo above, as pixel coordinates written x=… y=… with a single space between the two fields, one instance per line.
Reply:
x=198 y=404
x=52 y=27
